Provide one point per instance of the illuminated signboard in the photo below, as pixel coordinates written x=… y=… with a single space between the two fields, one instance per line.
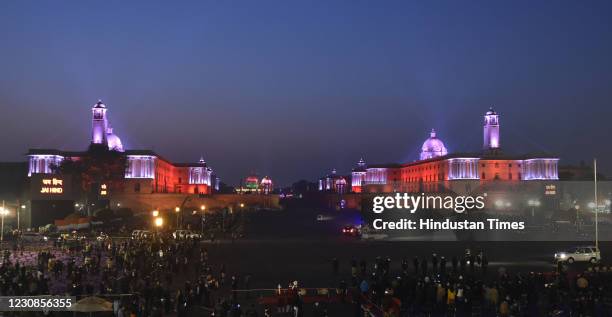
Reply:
x=52 y=186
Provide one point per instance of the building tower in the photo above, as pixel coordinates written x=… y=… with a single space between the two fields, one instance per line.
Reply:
x=99 y=124
x=491 y=131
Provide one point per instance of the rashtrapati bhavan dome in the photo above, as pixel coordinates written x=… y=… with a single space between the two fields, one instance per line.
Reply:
x=437 y=170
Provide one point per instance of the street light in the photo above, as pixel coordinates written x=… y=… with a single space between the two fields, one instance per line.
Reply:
x=23 y=207
x=159 y=221
x=177 y=210
x=155 y=213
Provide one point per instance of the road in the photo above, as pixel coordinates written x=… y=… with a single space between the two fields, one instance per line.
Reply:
x=282 y=246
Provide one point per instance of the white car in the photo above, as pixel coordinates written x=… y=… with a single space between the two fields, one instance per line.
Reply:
x=579 y=254
x=185 y=234
x=323 y=218
x=141 y=234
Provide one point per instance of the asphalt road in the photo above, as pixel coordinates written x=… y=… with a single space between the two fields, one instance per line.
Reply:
x=282 y=246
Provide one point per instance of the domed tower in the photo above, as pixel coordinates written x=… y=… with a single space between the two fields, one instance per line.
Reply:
x=99 y=123
x=433 y=147
x=491 y=130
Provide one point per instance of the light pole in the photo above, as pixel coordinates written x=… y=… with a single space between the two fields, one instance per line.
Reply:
x=577 y=207
x=203 y=208
x=3 y=213
x=18 y=216
x=177 y=210
x=533 y=203
x=159 y=222
x=596 y=209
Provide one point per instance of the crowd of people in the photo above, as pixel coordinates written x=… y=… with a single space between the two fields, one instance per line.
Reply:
x=141 y=277
x=464 y=286
x=163 y=276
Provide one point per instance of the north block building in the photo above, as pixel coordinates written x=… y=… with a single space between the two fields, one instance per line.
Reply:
x=437 y=170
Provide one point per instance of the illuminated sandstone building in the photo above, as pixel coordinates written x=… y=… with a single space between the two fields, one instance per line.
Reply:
x=334 y=183
x=437 y=170
x=146 y=171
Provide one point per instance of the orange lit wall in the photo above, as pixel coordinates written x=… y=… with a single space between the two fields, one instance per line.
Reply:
x=506 y=170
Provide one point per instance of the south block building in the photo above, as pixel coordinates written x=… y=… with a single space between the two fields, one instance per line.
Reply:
x=53 y=196
x=146 y=171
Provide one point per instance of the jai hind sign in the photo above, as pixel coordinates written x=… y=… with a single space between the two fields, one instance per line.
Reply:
x=52 y=186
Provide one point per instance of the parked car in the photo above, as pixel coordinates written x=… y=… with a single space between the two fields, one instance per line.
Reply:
x=71 y=236
x=185 y=234
x=30 y=236
x=141 y=234
x=321 y=217
x=579 y=254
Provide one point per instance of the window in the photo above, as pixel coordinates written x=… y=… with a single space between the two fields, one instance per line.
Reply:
x=180 y=180
x=483 y=175
x=510 y=176
x=510 y=165
x=137 y=187
x=482 y=165
x=496 y=165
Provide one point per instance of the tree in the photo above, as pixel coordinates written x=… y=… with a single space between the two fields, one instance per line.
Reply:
x=98 y=166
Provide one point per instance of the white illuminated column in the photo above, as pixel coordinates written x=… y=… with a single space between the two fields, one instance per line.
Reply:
x=491 y=130
x=42 y=163
x=140 y=166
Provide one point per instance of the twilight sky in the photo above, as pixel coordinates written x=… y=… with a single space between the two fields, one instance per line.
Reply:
x=292 y=89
